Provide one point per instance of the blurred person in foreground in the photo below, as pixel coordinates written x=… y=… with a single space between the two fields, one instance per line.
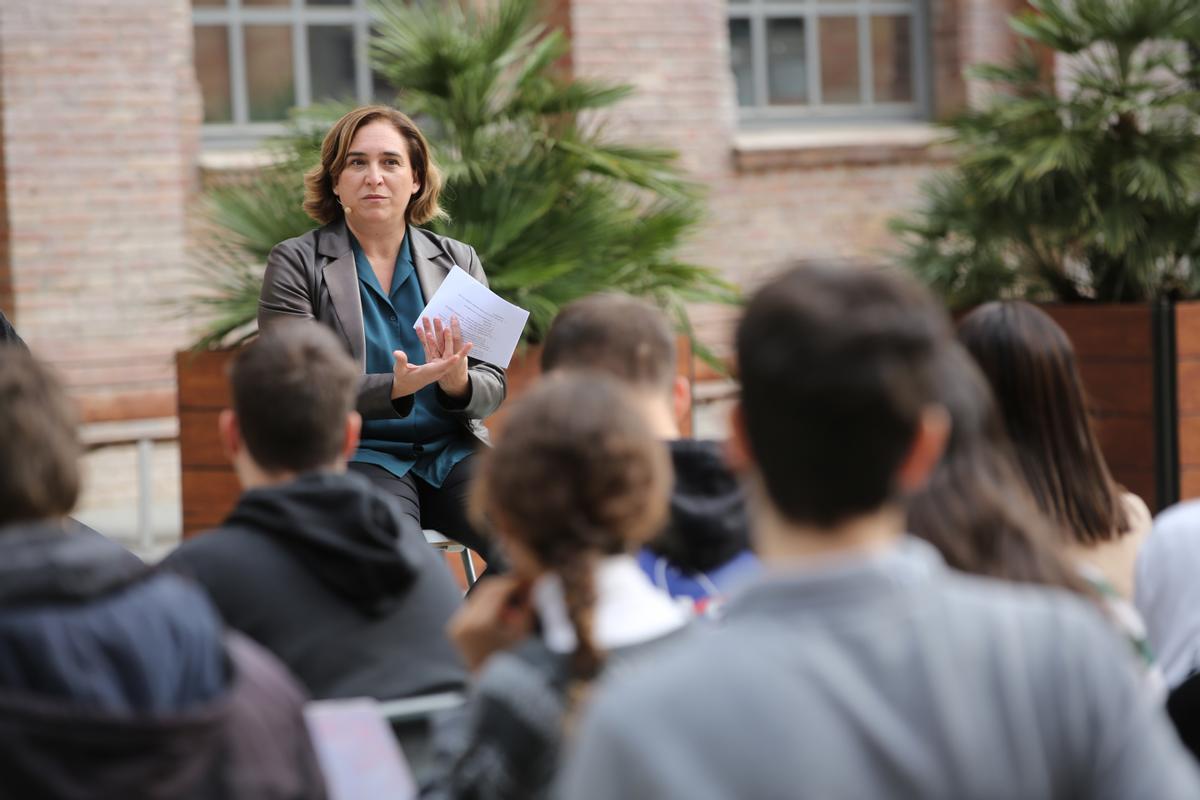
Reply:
x=1168 y=597
x=117 y=680
x=703 y=551
x=862 y=666
x=574 y=487
x=316 y=563
x=1030 y=364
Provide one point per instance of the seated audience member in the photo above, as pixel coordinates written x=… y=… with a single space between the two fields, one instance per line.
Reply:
x=704 y=549
x=8 y=334
x=1168 y=597
x=861 y=666
x=314 y=563
x=1031 y=367
x=116 y=681
x=976 y=508
x=1030 y=364
x=575 y=485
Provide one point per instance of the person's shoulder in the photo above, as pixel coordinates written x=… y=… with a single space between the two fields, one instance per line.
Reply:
x=222 y=549
x=461 y=252
x=1179 y=517
x=304 y=245
x=524 y=686
x=1043 y=618
x=689 y=663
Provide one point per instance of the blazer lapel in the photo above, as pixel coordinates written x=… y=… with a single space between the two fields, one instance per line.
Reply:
x=431 y=262
x=341 y=278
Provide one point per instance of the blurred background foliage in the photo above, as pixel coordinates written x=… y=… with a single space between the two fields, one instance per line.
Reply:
x=1087 y=193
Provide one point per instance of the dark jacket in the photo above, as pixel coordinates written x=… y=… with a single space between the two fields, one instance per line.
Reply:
x=703 y=553
x=329 y=575
x=314 y=277
x=117 y=681
x=707 y=525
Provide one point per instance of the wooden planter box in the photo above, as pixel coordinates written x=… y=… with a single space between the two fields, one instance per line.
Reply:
x=210 y=488
x=1141 y=367
x=208 y=485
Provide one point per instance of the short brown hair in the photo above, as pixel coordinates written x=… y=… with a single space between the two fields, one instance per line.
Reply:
x=322 y=204
x=623 y=336
x=39 y=441
x=293 y=388
x=576 y=475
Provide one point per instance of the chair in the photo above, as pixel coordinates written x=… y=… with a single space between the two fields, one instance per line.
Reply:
x=440 y=542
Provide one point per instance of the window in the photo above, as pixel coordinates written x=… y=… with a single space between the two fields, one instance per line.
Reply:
x=828 y=59
x=256 y=59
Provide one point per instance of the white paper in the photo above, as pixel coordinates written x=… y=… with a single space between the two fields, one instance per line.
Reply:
x=492 y=324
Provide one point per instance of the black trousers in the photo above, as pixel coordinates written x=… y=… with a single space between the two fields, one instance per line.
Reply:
x=441 y=509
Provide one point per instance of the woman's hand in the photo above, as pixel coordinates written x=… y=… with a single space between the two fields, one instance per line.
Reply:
x=496 y=615
x=408 y=378
x=439 y=340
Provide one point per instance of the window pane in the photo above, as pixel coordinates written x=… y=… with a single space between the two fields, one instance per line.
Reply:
x=212 y=70
x=787 y=75
x=891 y=50
x=839 y=60
x=266 y=2
x=741 y=60
x=269 y=81
x=331 y=62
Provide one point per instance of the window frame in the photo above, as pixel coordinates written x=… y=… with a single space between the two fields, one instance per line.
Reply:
x=761 y=114
x=299 y=17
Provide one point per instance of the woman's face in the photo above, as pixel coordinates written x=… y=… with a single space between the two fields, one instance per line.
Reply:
x=377 y=179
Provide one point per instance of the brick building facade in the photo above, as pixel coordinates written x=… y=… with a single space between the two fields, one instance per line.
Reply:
x=100 y=124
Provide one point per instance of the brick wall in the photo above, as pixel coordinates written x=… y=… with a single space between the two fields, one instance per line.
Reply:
x=99 y=122
x=762 y=217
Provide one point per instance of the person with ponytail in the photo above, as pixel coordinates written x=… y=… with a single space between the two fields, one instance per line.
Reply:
x=577 y=484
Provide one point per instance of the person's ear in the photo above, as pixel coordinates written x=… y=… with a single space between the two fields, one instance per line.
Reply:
x=681 y=399
x=353 y=430
x=928 y=446
x=737 y=446
x=230 y=434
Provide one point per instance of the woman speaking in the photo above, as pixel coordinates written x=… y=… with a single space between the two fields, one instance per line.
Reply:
x=367 y=272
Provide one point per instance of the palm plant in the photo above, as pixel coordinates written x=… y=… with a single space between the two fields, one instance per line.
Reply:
x=555 y=208
x=1089 y=196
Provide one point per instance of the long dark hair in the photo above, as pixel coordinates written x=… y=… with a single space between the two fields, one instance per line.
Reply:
x=576 y=476
x=1031 y=367
x=976 y=508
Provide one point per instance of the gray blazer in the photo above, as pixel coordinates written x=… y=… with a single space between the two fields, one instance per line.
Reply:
x=313 y=277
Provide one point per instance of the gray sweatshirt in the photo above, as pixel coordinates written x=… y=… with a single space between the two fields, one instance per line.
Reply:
x=884 y=677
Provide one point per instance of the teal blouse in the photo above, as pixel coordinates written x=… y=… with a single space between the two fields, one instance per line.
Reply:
x=429 y=441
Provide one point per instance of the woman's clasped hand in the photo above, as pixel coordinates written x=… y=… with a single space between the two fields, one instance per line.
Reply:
x=445 y=361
